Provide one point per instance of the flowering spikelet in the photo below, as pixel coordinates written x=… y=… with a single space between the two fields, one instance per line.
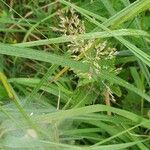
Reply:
x=101 y=57
x=70 y=24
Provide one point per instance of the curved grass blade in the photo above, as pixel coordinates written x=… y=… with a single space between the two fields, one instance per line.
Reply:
x=42 y=56
x=86 y=36
x=66 y=114
x=6 y=85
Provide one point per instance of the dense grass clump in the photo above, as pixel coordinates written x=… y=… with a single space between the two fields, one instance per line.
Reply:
x=74 y=74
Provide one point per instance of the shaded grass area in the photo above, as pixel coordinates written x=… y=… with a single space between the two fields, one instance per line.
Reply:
x=74 y=74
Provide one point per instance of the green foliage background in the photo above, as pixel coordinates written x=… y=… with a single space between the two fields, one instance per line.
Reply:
x=52 y=97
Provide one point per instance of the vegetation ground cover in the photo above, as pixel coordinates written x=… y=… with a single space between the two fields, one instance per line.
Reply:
x=75 y=74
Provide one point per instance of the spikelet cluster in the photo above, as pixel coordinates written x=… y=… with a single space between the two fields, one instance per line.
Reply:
x=101 y=56
x=70 y=24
